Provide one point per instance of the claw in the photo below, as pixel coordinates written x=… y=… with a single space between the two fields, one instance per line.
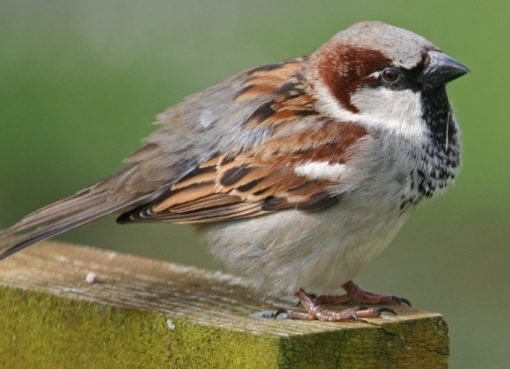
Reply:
x=353 y=316
x=383 y=309
x=402 y=300
x=281 y=312
x=266 y=314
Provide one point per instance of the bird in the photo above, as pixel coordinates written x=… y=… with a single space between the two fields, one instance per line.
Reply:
x=297 y=174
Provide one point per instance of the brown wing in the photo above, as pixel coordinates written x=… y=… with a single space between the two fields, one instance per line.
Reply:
x=256 y=182
x=240 y=113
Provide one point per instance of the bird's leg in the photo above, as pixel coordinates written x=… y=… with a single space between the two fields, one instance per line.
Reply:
x=314 y=311
x=356 y=295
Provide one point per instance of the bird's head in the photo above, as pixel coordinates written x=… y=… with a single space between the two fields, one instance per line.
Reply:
x=382 y=76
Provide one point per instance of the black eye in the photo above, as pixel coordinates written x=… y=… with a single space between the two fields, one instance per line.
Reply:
x=391 y=75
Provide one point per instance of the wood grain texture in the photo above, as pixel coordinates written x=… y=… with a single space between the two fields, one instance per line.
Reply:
x=142 y=313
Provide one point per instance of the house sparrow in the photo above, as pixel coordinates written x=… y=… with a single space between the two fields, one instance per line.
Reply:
x=297 y=173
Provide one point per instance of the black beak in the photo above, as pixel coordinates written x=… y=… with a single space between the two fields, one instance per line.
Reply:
x=441 y=69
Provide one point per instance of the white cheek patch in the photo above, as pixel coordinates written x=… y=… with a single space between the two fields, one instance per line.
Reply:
x=397 y=111
x=321 y=170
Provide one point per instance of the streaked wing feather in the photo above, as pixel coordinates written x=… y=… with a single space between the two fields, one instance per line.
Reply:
x=256 y=182
x=177 y=174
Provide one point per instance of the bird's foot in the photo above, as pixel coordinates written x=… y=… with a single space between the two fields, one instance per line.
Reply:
x=313 y=311
x=356 y=295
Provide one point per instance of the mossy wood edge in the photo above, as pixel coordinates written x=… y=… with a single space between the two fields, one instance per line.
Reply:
x=143 y=313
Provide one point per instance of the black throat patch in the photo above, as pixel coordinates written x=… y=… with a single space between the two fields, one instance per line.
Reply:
x=439 y=157
x=437 y=114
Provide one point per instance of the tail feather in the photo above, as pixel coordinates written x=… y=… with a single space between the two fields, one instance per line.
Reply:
x=56 y=210
x=61 y=216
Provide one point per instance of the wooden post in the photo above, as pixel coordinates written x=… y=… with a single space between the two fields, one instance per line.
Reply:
x=63 y=306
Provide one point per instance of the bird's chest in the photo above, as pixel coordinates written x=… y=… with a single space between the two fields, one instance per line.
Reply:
x=431 y=169
x=369 y=218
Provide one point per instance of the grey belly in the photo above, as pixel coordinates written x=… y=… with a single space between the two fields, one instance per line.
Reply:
x=284 y=251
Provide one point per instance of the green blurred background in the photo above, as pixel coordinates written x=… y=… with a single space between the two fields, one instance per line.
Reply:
x=80 y=83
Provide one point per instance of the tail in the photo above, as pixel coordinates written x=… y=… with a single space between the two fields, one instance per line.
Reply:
x=59 y=217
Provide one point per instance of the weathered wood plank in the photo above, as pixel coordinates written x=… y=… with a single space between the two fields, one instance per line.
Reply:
x=142 y=313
